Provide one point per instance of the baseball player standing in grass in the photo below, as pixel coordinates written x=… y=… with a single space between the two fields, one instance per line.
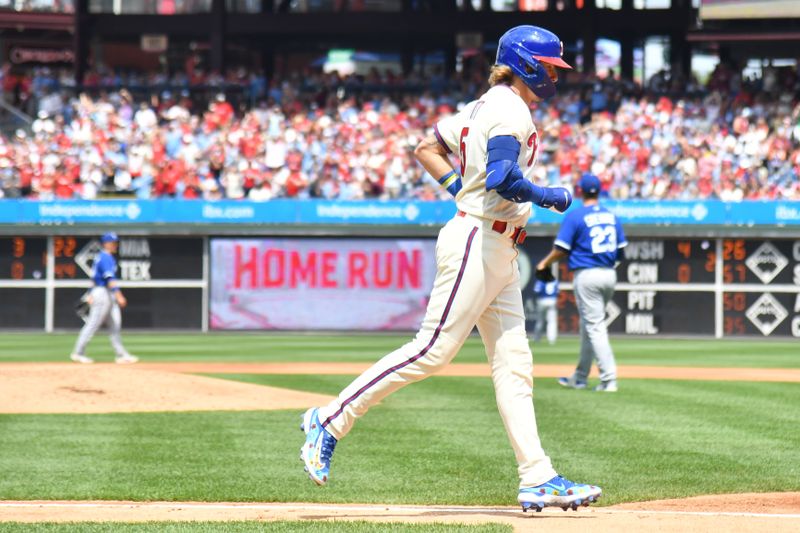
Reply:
x=477 y=280
x=591 y=236
x=105 y=304
x=546 y=314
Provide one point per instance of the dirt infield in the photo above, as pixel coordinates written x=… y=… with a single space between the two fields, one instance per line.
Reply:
x=754 y=512
x=72 y=388
x=149 y=387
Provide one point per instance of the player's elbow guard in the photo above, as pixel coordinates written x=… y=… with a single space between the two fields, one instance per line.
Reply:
x=505 y=177
x=503 y=174
x=501 y=163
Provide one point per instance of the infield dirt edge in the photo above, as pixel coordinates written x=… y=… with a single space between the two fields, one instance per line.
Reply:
x=753 y=512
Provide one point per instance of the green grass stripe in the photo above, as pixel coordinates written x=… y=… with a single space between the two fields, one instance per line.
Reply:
x=252 y=526
x=260 y=347
x=440 y=441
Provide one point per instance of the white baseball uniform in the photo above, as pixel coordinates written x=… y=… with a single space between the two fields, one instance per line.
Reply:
x=477 y=283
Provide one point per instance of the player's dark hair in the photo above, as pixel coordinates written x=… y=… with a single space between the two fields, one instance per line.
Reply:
x=500 y=75
x=590 y=195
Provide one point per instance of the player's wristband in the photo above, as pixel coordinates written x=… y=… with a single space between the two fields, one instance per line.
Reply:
x=451 y=181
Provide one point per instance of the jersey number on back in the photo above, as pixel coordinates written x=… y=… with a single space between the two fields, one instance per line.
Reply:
x=463 y=149
x=604 y=239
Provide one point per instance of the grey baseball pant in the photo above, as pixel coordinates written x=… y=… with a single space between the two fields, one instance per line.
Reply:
x=546 y=313
x=594 y=288
x=103 y=310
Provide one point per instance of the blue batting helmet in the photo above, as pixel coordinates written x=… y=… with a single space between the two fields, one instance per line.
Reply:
x=109 y=237
x=524 y=49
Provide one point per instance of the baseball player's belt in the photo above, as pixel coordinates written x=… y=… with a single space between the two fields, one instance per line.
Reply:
x=501 y=226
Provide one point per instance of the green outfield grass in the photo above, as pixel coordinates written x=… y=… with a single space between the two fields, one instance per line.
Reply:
x=266 y=347
x=439 y=441
x=247 y=527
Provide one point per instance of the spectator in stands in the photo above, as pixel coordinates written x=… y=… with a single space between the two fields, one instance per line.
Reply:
x=310 y=141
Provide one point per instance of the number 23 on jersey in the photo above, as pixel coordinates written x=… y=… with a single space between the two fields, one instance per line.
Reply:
x=604 y=239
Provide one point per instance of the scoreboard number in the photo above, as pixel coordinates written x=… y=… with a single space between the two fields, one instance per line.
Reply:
x=23 y=258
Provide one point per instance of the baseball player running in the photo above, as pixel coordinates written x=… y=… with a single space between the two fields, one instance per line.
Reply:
x=105 y=301
x=477 y=280
x=591 y=236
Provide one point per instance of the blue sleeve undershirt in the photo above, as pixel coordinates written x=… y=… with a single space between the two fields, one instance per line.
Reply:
x=504 y=175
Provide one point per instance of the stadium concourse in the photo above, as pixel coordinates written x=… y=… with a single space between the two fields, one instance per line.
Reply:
x=321 y=136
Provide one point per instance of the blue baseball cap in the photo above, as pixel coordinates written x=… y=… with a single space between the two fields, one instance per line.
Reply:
x=109 y=237
x=590 y=184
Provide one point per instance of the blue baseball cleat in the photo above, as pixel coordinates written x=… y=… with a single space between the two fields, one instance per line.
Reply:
x=558 y=492
x=572 y=383
x=317 y=451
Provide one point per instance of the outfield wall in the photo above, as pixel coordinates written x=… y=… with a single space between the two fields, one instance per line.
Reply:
x=717 y=280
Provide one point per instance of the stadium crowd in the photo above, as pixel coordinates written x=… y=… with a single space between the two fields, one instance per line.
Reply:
x=321 y=136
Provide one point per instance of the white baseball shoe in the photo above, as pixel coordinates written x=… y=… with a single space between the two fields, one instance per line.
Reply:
x=78 y=358
x=126 y=359
x=606 y=386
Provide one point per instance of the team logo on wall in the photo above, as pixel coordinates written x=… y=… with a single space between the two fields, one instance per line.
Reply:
x=612 y=312
x=766 y=262
x=85 y=258
x=766 y=313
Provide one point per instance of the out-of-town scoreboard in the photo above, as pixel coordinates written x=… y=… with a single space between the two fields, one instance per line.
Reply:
x=722 y=287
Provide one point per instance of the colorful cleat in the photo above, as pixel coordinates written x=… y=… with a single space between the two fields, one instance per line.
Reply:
x=317 y=451
x=558 y=492
x=572 y=383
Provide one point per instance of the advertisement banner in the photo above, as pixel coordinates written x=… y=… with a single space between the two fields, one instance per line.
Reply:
x=320 y=284
x=99 y=211
x=367 y=212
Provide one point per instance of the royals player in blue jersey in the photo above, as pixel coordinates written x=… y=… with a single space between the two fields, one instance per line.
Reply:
x=105 y=304
x=591 y=236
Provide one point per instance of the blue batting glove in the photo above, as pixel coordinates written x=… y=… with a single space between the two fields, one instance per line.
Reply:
x=556 y=199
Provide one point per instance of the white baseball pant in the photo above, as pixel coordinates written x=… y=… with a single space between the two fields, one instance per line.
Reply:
x=546 y=315
x=103 y=310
